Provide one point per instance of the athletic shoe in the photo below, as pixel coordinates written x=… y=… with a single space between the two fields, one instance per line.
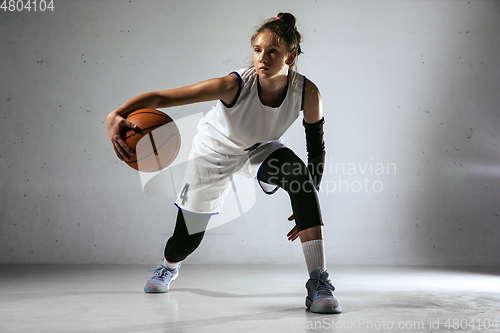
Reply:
x=320 y=298
x=159 y=282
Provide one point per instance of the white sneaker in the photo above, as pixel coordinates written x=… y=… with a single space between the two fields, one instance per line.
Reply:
x=159 y=282
x=320 y=297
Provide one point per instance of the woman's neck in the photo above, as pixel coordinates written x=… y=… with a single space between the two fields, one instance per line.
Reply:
x=273 y=91
x=274 y=85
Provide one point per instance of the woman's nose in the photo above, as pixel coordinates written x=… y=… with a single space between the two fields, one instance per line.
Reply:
x=263 y=57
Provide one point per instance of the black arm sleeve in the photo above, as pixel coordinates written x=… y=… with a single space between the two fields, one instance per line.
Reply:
x=315 y=146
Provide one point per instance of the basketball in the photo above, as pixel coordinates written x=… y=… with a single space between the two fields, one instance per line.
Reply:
x=156 y=144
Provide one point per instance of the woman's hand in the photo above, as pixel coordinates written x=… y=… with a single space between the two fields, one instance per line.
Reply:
x=115 y=124
x=294 y=233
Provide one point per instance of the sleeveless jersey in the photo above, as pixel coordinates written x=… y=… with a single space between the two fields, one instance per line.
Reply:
x=247 y=123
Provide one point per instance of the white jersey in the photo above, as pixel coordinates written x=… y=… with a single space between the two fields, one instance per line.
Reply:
x=247 y=123
x=236 y=139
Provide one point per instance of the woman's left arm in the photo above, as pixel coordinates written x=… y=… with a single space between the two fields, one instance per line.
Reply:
x=313 y=124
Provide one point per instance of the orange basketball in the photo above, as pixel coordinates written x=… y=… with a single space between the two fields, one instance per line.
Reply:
x=156 y=144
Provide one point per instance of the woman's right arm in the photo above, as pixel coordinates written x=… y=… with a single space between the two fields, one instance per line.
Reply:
x=224 y=88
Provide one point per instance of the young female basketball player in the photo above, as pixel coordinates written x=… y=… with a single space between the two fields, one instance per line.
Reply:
x=242 y=134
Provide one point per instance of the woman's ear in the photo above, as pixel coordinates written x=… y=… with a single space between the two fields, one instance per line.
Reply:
x=291 y=58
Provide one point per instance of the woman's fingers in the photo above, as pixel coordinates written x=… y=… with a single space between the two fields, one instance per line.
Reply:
x=124 y=154
x=117 y=153
x=116 y=124
x=122 y=144
x=293 y=234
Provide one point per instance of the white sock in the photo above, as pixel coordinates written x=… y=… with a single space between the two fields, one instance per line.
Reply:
x=170 y=265
x=314 y=253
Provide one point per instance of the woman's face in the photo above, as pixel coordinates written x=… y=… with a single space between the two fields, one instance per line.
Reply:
x=270 y=57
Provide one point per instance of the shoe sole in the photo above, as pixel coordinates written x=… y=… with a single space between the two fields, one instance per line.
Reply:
x=160 y=290
x=325 y=309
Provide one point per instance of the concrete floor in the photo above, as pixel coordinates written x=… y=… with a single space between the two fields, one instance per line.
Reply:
x=240 y=298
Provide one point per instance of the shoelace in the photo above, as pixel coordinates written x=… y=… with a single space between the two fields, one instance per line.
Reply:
x=323 y=286
x=160 y=271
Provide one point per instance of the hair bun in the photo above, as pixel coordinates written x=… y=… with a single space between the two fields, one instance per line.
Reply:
x=288 y=19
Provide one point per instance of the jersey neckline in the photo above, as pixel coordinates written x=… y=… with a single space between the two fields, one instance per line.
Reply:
x=260 y=99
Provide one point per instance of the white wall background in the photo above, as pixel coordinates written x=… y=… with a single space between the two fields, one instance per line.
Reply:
x=412 y=83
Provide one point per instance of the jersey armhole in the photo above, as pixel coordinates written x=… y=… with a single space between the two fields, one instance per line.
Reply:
x=303 y=94
x=237 y=94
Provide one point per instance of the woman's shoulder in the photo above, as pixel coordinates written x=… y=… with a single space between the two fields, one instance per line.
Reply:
x=311 y=102
x=237 y=82
x=297 y=81
x=242 y=76
x=246 y=74
x=245 y=77
x=304 y=83
x=309 y=85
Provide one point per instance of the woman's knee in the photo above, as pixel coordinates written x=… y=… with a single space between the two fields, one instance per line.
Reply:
x=294 y=175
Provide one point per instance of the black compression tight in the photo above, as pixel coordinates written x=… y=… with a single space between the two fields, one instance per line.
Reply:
x=282 y=168
x=182 y=243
